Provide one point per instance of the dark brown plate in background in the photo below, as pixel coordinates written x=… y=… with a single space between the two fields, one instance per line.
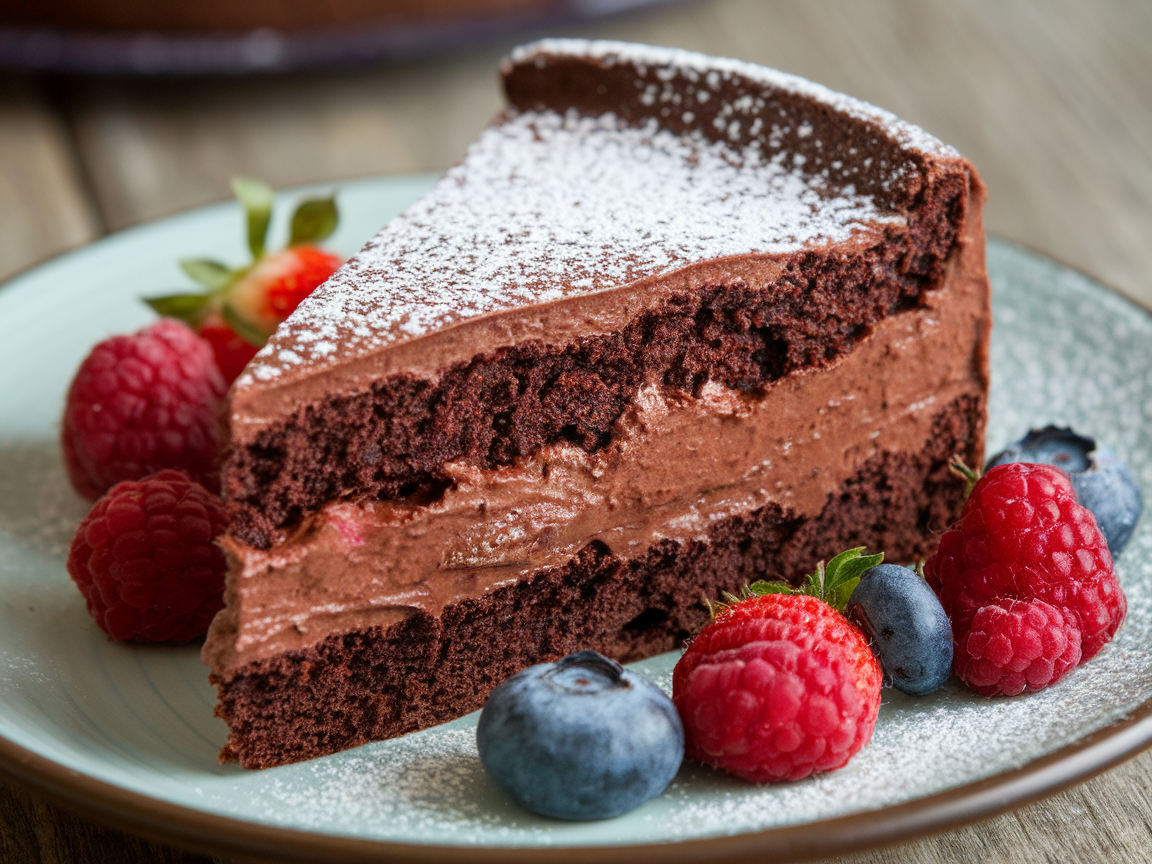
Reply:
x=36 y=42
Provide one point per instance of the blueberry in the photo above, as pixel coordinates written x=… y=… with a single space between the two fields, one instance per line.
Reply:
x=1103 y=483
x=582 y=738
x=907 y=627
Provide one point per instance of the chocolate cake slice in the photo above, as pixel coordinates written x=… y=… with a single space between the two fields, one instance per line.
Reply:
x=674 y=324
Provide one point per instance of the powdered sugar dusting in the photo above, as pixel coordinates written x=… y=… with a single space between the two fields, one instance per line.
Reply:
x=711 y=72
x=37 y=504
x=547 y=206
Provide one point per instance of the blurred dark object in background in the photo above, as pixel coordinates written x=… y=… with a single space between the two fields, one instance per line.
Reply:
x=178 y=37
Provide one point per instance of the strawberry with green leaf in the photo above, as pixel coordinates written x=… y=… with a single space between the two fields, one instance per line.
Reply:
x=240 y=307
x=833 y=584
x=780 y=684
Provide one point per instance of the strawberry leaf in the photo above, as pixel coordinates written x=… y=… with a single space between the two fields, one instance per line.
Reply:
x=851 y=564
x=833 y=583
x=843 y=573
x=314 y=220
x=255 y=196
x=839 y=596
x=814 y=582
x=759 y=589
x=242 y=328
x=210 y=274
x=189 y=308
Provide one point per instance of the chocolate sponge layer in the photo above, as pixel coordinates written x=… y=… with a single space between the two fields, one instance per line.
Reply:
x=374 y=684
x=393 y=439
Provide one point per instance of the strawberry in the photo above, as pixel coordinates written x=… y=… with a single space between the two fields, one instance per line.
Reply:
x=232 y=352
x=780 y=684
x=242 y=306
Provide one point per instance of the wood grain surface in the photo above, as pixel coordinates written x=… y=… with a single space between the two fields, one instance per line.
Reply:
x=1051 y=99
x=44 y=206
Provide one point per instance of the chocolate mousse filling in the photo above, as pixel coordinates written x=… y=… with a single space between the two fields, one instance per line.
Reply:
x=675 y=465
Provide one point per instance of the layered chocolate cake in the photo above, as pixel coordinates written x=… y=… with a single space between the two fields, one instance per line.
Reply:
x=674 y=324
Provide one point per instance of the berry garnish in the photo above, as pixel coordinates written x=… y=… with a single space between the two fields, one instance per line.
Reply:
x=232 y=352
x=582 y=738
x=907 y=627
x=1025 y=576
x=1018 y=645
x=1102 y=482
x=140 y=404
x=780 y=684
x=242 y=306
x=145 y=560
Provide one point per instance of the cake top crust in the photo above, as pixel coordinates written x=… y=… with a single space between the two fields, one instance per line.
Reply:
x=712 y=72
x=556 y=201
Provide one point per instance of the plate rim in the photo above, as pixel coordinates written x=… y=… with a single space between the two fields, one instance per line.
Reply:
x=213 y=833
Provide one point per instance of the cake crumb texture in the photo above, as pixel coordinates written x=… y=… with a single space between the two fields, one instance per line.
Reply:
x=373 y=684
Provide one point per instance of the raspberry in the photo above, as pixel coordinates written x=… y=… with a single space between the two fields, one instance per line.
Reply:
x=140 y=404
x=145 y=560
x=1021 y=645
x=1103 y=482
x=777 y=687
x=1024 y=572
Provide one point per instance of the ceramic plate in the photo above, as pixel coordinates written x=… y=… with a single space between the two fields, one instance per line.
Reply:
x=127 y=733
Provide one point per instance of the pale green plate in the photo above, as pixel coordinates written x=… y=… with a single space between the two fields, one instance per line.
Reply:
x=127 y=732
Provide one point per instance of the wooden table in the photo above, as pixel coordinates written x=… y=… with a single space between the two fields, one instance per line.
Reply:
x=1052 y=99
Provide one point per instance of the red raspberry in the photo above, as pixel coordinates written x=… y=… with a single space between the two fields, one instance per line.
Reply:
x=145 y=560
x=1021 y=645
x=777 y=687
x=140 y=404
x=1023 y=538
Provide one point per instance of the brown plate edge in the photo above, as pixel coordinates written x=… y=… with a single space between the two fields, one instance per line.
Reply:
x=210 y=833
